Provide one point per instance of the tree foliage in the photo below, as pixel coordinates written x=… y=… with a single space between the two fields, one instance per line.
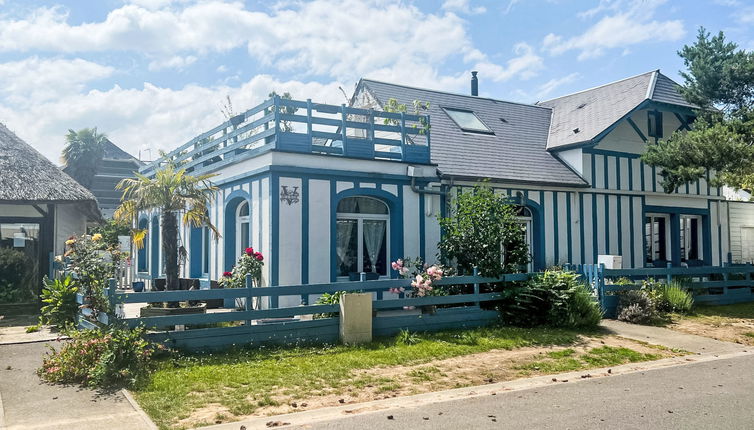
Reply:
x=82 y=154
x=482 y=231
x=719 y=78
x=171 y=191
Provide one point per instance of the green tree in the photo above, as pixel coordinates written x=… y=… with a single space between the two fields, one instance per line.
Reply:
x=719 y=78
x=482 y=230
x=171 y=191
x=82 y=154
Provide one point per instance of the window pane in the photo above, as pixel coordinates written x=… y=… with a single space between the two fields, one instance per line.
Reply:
x=347 y=242
x=244 y=235
x=244 y=209
x=362 y=205
x=467 y=120
x=375 y=246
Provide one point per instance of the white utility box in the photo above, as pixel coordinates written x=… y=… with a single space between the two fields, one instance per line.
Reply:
x=610 y=261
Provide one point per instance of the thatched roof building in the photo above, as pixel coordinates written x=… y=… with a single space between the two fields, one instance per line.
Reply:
x=40 y=208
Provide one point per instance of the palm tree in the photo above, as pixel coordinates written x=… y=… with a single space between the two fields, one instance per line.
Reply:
x=83 y=153
x=171 y=191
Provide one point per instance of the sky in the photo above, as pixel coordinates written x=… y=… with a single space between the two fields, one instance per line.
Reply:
x=151 y=74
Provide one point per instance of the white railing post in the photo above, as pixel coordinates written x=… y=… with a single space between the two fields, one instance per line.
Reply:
x=247 y=306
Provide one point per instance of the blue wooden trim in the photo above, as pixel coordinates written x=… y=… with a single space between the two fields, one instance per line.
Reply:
x=422 y=227
x=274 y=235
x=698 y=187
x=708 y=186
x=595 y=245
x=230 y=206
x=636 y=129
x=538 y=225
x=675 y=239
x=543 y=244
x=304 y=230
x=607 y=223
x=684 y=123
x=333 y=231
x=607 y=131
x=582 y=233
x=594 y=171
x=676 y=210
x=641 y=168
x=155 y=247
x=654 y=179
x=605 y=172
x=620 y=224
x=142 y=263
x=556 y=233
x=611 y=153
x=617 y=173
x=630 y=174
x=195 y=252
x=632 y=231
x=570 y=228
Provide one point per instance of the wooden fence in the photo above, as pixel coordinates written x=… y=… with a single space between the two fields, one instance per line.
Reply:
x=712 y=285
x=304 y=323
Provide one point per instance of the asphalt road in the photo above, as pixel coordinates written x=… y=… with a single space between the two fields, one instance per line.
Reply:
x=710 y=395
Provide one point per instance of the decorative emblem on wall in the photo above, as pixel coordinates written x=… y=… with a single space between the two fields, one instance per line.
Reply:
x=289 y=196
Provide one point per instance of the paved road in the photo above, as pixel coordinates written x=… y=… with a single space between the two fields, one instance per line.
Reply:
x=710 y=395
x=28 y=403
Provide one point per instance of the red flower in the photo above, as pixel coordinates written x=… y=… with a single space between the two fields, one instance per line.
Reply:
x=249 y=251
x=227 y=274
x=258 y=256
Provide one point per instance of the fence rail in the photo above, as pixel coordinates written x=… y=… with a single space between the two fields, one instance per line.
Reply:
x=321 y=129
x=710 y=285
x=296 y=323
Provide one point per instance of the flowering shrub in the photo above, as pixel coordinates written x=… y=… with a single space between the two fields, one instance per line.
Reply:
x=90 y=262
x=422 y=276
x=250 y=263
x=101 y=358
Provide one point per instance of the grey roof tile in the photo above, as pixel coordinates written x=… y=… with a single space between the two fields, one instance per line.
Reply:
x=516 y=152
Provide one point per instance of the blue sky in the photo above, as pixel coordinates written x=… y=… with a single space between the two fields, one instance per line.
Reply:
x=153 y=73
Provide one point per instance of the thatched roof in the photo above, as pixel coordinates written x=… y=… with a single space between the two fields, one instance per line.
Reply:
x=26 y=176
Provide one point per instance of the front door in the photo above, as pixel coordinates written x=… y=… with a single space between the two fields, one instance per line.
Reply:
x=19 y=262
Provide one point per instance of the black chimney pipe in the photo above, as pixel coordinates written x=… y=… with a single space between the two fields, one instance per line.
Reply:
x=474 y=84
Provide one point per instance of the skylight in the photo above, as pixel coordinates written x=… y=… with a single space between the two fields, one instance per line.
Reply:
x=467 y=120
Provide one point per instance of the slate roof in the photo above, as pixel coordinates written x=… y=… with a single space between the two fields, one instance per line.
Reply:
x=516 y=152
x=26 y=176
x=113 y=152
x=580 y=117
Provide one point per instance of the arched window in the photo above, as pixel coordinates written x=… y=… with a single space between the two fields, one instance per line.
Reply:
x=362 y=238
x=143 y=263
x=243 y=224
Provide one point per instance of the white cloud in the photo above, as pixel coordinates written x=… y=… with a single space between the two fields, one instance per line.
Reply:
x=174 y=62
x=34 y=80
x=162 y=118
x=341 y=39
x=630 y=24
x=464 y=6
x=548 y=87
x=525 y=65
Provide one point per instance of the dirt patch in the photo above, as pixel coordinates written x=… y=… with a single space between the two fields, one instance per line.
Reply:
x=386 y=382
x=737 y=330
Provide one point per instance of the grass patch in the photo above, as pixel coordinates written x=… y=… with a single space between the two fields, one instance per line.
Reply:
x=749 y=334
x=568 y=361
x=738 y=310
x=242 y=379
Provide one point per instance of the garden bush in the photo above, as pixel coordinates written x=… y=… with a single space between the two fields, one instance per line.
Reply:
x=556 y=298
x=59 y=305
x=13 y=269
x=637 y=307
x=674 y=297
x=116 y=357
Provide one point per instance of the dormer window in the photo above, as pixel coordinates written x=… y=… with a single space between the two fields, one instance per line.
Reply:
x=467 y=120
x=654 y=126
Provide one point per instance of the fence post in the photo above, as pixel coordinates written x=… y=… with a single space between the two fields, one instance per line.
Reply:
x=247 y=305
x=669 y=276
x=476 y=284
x=599 y=282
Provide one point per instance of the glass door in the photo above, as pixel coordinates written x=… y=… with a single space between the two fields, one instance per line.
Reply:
x=19 y=262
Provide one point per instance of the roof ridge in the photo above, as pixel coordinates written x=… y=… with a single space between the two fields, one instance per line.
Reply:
x=600 y=86
x=454 y=94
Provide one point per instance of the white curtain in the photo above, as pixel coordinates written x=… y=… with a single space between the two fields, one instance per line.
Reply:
x=344 y=231
x=374 y=234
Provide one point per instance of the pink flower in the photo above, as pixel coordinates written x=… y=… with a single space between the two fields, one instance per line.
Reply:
x=249 y=251
x=403 y=271
x=259 y=256
x=394 y=265
x=227 y=274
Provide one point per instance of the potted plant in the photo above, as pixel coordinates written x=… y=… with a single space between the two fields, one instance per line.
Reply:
x=250 y=263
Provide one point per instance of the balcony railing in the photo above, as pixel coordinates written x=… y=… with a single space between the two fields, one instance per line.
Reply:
x=305 y=127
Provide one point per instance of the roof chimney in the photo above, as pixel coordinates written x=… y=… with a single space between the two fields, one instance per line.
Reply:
x=474 y=84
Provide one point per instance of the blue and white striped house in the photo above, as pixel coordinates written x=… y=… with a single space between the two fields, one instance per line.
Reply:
x=328 y=191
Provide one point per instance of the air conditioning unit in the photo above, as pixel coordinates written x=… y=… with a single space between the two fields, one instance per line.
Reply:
x=610 y=261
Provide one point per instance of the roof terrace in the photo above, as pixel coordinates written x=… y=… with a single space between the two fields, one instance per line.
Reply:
x=286 y=125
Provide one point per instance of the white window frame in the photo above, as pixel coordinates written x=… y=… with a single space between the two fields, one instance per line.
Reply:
x=240 y=220
x=526 y=221
x=668 y=248
x=685 y=229
x=360 y=218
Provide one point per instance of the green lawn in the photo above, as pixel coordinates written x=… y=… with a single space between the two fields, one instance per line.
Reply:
x=243 y=380
x=738 y=310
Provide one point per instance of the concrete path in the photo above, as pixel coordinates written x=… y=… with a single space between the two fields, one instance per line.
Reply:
x=672 y=338
x=28 y=403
